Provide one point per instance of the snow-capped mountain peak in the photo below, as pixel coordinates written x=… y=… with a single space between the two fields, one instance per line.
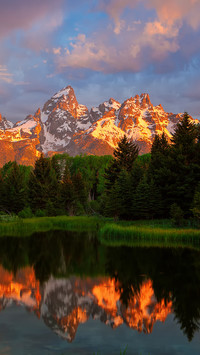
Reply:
x=64 y=125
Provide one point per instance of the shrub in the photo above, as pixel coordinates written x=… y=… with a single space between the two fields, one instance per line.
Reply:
x=25 y=213
x=40 y=213
x=94 y=207
x=176 y=214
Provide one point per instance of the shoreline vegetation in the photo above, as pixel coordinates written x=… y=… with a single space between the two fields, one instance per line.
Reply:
x=109 y=232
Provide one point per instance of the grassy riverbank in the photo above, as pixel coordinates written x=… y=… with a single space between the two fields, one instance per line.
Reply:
x=26 y=227
x=148 y=233
x=133 y=233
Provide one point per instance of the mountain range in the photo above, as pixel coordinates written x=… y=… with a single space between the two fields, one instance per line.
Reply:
x=65 y=126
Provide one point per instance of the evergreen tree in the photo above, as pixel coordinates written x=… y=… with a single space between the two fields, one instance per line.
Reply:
x=146 y=203
x=184 y=138
x=112 y=206
x=43 y=185
x=185 y=159
x=141 y=198
x=2 y=192
x=67 y=191
x=160 y=145
x=14 y=189
x=126 y=153
x=119 y=199
x=196 y=203
x=124 y=157
x=124 y=194
x=56 y=166
x=160 y=173
x=80 y=192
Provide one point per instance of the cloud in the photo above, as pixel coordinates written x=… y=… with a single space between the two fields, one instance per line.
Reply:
x=168 y=11
x=38 y=37
x=5 y=75
x=177 y=10
x=23 y=14
x=115 y=8
x=136 y=43
x=103 y=52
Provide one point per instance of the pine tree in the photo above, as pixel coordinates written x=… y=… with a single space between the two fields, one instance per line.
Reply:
x=80 y=192
x=185 y=162
x=56 y=166
x=161 y=174
x=67 y=191
x=124 y=195
x=112 y=203
x=119 y=199
x=124 y=157
x=160 y=145
x=126 y=153
x=2 y=192
x=43 y=185
x=15 y=189
x=196 y=203
x=184 y=138
x=140 y=207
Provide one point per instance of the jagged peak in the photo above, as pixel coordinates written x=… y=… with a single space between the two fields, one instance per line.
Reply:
x=67 y=91
x=111 y=101
x=2 y=118
x=4 y=123
x=145 y=95
x=110 y=104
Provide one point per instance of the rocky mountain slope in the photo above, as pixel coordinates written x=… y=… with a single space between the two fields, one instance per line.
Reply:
x=63 y=125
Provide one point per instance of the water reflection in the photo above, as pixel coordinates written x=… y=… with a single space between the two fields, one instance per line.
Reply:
x=65 y=279
x=65 y=303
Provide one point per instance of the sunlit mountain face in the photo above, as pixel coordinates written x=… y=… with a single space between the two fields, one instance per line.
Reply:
x=63 y=304
x=65 y=126
x=77 y=279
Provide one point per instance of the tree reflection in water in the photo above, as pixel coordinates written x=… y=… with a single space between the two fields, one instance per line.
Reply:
x=174 y=273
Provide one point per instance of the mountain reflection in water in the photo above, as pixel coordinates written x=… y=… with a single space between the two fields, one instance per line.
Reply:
x=65 y=303
x=65 y=279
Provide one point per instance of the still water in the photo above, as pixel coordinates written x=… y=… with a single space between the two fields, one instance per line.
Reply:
x=64 y=293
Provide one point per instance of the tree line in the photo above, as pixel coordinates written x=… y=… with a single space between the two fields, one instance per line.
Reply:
x=126 y=186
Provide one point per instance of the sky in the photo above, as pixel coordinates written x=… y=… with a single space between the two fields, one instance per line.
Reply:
x=103 y=49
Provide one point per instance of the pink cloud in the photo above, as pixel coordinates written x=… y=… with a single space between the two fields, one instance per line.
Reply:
x=168 y=11
x=23 y=14
x=177 y=10
x=115 y=8
x=5 y=76
x=37 y=37
x=134 y=44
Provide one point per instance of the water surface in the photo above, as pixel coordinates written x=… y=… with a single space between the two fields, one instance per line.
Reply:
x=65 y=293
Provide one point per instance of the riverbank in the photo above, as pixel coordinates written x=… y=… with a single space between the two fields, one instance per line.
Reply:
x=27 y=226
x=129 y=233
x=148 y=233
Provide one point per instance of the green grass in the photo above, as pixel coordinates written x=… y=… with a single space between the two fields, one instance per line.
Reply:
x=28 y=226
x=148 y=233
x=131 y=233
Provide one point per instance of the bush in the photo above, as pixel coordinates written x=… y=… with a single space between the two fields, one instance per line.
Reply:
x=79 y=209
x=26 y=213
x=176 y=214
x=196 y=205
x=40 y=213
x=94 y=207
